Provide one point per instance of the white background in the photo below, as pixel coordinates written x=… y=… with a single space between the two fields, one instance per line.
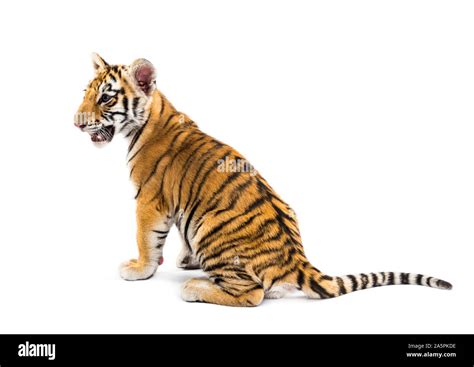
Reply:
x=360 y=114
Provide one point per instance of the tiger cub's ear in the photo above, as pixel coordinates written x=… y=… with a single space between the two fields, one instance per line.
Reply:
x=98 y=62
x=143 y=74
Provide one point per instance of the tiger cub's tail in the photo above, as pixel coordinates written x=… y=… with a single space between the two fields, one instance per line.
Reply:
x=318 y=285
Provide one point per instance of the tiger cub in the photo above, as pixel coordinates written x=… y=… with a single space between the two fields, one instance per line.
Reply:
x=232 y=224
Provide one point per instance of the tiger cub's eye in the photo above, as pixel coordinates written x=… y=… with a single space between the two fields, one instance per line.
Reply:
x=105 y=98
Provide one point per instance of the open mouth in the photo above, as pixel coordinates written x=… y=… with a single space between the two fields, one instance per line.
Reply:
x=103 y=135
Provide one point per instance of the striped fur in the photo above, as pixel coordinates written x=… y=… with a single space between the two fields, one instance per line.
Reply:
x=232 y=223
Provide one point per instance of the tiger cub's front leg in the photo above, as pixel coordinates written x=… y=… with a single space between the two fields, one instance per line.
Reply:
x=152 y=230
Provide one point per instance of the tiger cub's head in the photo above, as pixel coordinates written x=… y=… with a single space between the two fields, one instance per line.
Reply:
x=117 y=100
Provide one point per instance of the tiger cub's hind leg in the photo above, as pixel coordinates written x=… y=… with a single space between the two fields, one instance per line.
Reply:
x=222 y=292
x=186 y=260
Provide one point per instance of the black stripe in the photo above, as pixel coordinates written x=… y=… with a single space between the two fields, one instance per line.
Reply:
x=242 y=226
x=340 y=283
x=138 y=192
x=131 y=171
x=365 y=280
x=160 y=232
x=261 y=227
x=238 y=275
x=135 y=105
x=230 y=293
x=215 y=266
x=115 y=112
x=354 y=282
x=188 y=222
x=326 y=277
x=301 y=279
x=236 y=288
x=318 y=289
x=383 y=277
x=242 y=275
x=265 y=251
x=132 y=144
x=428 y=280
x=136 y=137
x=257 y=286
x=125 y=105
x=419 y=279
x=391 y=278
x=162 y=107
x=161 y=237
x=404 y=278
x=374 y=280
x=254 y=205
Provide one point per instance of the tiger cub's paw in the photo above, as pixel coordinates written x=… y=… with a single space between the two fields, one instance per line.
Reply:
x=133 y=270
x=193 y=288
